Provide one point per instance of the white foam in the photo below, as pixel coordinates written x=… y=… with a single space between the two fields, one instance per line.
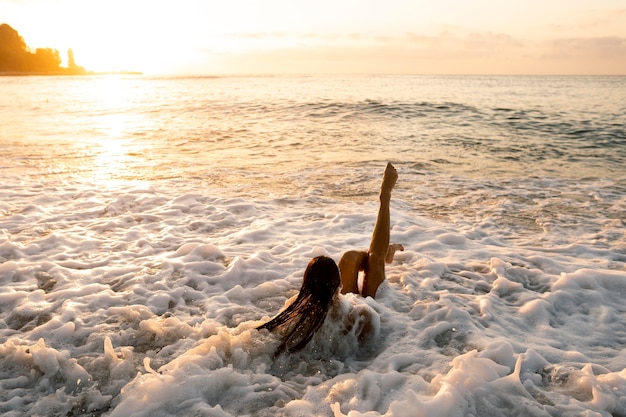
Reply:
x=143 y=302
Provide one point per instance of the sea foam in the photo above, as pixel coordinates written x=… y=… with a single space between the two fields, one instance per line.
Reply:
x=134 y=270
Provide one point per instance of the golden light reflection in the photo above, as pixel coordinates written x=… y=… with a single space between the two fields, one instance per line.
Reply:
x=110 y=163
x=115 y=126
x=115 y=151
x=110 y=159
x=117 y=160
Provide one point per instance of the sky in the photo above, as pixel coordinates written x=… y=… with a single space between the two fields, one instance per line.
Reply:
x=203 y=37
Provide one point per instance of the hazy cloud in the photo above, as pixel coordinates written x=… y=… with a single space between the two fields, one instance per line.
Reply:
x=601 y=46
x=610 y=50
x=450 y=45
x=447 y=52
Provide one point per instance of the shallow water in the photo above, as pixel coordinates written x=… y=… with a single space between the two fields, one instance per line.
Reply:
x=148 y=225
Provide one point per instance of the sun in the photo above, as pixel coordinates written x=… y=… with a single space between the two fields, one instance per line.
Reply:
x=153 y=37
x=104 y=36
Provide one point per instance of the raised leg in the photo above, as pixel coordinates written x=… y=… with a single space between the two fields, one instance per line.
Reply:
x=379 y=246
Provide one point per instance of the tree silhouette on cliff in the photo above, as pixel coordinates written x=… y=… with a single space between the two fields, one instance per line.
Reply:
x=16 y=57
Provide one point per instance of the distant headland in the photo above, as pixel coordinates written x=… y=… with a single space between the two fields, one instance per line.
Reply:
x=16 y=58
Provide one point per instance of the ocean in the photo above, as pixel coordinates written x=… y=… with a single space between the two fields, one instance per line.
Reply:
x=149 y=224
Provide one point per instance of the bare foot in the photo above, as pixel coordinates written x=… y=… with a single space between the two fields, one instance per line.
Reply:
x=389 y=178
x=391 y=251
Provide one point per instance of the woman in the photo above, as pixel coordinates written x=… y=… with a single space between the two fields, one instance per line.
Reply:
x=322 y=279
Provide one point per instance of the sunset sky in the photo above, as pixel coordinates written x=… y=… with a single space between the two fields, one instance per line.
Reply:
x=330 y=36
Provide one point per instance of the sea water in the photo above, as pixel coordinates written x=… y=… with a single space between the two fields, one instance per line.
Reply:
x=148 y=225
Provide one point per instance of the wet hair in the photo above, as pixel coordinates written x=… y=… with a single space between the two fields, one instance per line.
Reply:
x=298 y=323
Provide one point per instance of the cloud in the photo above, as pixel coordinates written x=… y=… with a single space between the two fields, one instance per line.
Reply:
x=595 y=55
x=448 y=45
x=600 y=47
x=445 y=53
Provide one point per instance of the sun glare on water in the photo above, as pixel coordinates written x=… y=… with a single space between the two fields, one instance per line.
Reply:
x=117 y=160
x=113 y=148
x=111 y=158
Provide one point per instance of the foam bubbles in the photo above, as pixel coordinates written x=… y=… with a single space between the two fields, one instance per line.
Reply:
x=141 y=302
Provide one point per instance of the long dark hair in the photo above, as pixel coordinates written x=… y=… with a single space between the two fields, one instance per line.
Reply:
x=299 y=322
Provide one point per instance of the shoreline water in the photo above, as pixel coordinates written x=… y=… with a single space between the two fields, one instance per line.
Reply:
x=147 y=226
